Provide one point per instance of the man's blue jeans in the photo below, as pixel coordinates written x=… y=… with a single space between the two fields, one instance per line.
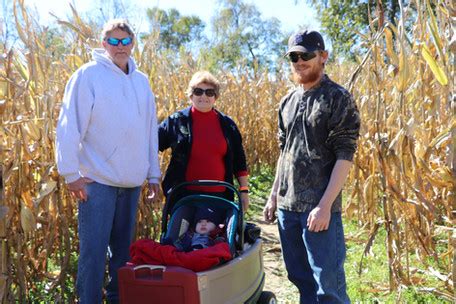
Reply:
x=107 y=218
x=314 y=260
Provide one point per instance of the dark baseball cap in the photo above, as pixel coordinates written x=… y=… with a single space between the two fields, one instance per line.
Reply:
x=305 y=41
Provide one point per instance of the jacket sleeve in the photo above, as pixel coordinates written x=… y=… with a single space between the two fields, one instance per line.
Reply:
x=164 y=140
x=239 y=159
x=343 y=126
x=154 y=173
x=72 y=124
x=282 y=132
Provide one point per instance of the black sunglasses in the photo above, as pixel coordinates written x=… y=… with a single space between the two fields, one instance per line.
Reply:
x=294 y=57
x=200 y=92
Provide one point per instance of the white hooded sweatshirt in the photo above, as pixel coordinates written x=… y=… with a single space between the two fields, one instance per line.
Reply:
x=107 y=128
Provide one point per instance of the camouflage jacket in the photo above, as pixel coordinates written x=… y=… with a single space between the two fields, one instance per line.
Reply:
x=316 y=128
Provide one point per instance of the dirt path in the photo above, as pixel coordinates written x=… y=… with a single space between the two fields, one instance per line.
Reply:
x=276 y=276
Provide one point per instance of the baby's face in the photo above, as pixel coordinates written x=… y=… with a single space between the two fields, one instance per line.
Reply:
x=204 y=226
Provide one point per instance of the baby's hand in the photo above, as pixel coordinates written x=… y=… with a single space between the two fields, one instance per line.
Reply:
x=197 y=247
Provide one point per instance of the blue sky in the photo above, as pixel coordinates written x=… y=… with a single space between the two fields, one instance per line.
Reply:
x=291 y=15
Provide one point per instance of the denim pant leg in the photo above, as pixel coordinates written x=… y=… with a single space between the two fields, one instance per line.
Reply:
x=94 y=226
x=121 y=236
x=326 y=252
x=295 y=255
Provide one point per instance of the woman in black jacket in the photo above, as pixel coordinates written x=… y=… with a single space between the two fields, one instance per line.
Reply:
x=205 y=143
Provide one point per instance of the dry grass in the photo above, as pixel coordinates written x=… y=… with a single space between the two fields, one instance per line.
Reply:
x=404 y=169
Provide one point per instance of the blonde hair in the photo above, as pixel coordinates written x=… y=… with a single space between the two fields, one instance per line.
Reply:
x=203 y=77
x=113 y=24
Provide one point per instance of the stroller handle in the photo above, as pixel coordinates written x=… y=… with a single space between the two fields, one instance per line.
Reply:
x=211 y=183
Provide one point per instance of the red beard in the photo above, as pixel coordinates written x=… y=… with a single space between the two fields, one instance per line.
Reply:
x=311 y=75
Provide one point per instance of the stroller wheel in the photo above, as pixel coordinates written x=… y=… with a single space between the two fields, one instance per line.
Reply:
x=267 y=297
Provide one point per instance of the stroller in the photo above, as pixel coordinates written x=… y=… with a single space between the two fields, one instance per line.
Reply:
x=239 y=280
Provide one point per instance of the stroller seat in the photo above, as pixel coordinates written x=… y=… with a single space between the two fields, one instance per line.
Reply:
x=182 y=218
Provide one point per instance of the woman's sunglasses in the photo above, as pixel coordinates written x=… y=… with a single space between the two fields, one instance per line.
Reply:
x=115 y=41
x=200 y=92
x=294 y=57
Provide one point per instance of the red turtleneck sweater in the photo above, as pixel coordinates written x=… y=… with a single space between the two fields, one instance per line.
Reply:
x=208 y=149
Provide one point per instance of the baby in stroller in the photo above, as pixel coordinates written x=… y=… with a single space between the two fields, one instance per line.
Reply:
x=208 y=231
x=194 y=226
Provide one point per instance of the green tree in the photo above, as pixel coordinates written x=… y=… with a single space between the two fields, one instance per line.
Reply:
x=176 y=31
x=242 y=36
x=342 y=21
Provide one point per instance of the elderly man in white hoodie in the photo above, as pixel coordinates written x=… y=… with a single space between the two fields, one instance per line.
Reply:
x=106 y=147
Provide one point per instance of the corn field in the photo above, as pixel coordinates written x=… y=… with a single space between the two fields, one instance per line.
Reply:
x=403 y=178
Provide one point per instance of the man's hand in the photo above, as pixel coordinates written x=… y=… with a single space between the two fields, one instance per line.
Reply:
x=318 y=219
x=77 y=188
x=152 y=193
x=270 y=208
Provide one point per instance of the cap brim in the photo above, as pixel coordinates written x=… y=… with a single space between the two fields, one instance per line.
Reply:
x=298 y=48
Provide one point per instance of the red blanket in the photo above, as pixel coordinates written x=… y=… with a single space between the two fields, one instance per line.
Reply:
x=150 y=252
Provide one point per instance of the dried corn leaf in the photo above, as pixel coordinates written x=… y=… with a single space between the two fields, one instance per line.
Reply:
x=433 y=64
x=446 y=174
x=442 y=139
x=19 y=27
x=3 y=89
x=46 y=189
x=368 y=190
x=404 y=71
x=27 y=199
x=75 y=60
x=397 y=142
x=22 y=69
x=390 y=46
x=433 y=26
x=32 y=130
x=28 y=221
x=438 y=275
x=2 y=106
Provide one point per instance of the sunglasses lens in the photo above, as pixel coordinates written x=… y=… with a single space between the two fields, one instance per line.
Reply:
x=126 y=41
x=308 y=56
x=210 y=92
x=294 y=57
x=198 y=92
x=113 y=41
